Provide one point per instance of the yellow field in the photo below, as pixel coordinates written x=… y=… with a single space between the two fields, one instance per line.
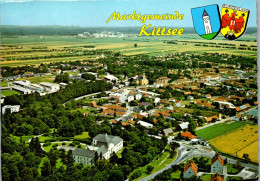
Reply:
x=238 y=142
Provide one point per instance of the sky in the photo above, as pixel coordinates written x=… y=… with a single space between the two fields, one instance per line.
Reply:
x=95 y=13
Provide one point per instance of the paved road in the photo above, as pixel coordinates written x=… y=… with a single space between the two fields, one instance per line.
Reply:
x=183 y=154
x=77 y=98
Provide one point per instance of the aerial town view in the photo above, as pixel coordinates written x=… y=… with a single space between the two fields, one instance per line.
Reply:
x=102 y=103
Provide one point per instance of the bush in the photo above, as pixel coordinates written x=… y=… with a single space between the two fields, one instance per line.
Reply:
x=149 y=169
x=47 y=144
x=55 y=145
x=50 y=140
x=72 y=144
x=76 y=142
x=63 y=143
x=136 y=174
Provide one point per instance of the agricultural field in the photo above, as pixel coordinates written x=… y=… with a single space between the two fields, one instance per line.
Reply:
x=218 y=130
x=243 y=140
x=34 y=50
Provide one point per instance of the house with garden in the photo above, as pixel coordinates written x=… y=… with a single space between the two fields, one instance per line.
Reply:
x=217 y=164
x=190 y=170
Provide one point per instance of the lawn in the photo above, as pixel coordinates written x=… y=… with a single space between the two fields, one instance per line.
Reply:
x=25 y=138
x=83 y=135
x=162 y=161
x=234 y=178
x=4 y=84
x=206 y=177
x=43 y=138
x=37 y=80
x=9 y=93
x=218 y=129
x=176 y=175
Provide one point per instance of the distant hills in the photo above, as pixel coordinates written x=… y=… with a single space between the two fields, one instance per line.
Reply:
x=74 y=30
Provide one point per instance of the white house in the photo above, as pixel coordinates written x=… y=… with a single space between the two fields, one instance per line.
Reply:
x=217 y=164
x=145 y=124
x=130 y=98
x=111 y=78
x=184 y=125
x=157 y=100
x=190 y=170
x=138 y=96
x=10 y=108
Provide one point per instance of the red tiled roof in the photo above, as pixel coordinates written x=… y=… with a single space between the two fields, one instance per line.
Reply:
x=188 y=135
x=238 y=108
x=114 y=107
x=216 y=177
x=217 y=157
x=208 y=119
x=187 y=93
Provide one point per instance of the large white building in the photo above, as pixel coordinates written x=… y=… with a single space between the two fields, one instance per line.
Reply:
x=50 y=87
x=10 y=108
x=103 y=146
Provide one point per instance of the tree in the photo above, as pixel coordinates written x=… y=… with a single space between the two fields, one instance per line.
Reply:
x=46 y=169
x=116 y=175
x=135 y=45
x=70 y=160
x=88 y=76
x=174 y=145
x=192 y=126
x=246 y=157
x=62 y=78
x=149 y=169
x=53 y=158
x=113 y=158
x=27 y=174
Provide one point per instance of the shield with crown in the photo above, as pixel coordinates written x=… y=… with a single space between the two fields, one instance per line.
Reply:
x=206 y=21
x=233 y=21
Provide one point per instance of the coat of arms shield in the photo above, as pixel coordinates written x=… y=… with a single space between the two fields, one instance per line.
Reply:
x=233 y=21
x=206 y=21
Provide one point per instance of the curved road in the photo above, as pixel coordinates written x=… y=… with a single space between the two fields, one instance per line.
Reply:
x=183 y=154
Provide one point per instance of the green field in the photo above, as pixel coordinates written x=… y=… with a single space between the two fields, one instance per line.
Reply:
x=217 y=130
x=9 y=93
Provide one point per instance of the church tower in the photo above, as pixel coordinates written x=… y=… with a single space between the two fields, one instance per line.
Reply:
x=206 y=22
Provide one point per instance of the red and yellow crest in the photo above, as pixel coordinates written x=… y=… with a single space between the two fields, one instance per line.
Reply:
x=233 y=21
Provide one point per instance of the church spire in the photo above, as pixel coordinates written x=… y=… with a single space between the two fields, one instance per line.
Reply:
x=205 y=13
